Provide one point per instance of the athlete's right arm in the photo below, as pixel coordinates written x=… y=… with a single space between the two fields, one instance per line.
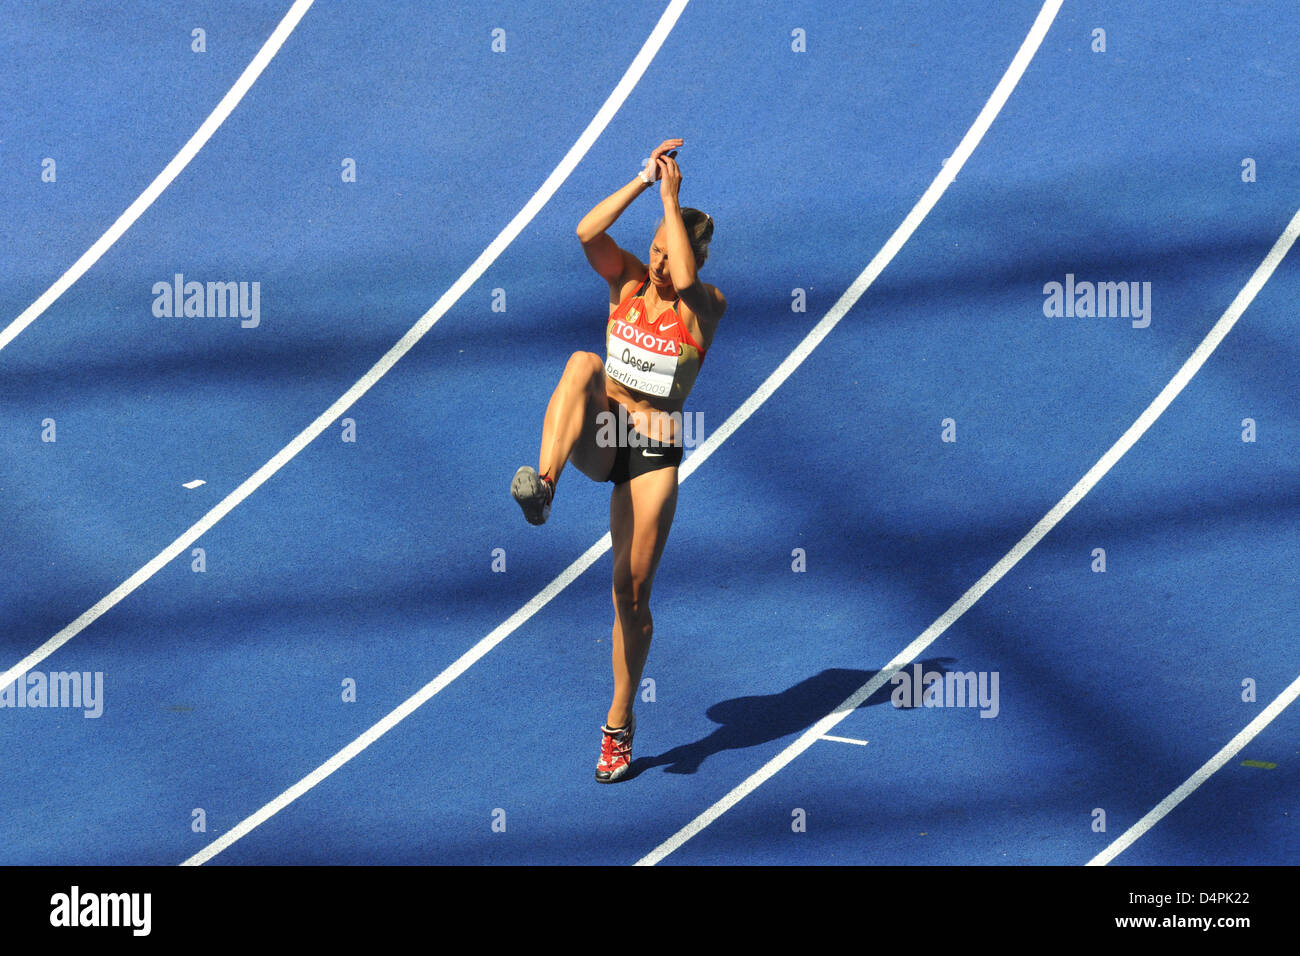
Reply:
x=613 y=264
x=609 y=261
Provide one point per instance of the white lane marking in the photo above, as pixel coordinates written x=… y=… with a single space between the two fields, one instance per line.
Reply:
x=747 y=409
x=844 y=740
x=164 y=179
x=633 y=75
x=1230 y=750
x=380 y=368
x=406 y=708
x=194 y=484
x=893 y=244
x=1009 y=560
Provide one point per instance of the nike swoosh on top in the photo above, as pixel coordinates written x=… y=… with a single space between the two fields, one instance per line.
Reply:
x=665 y=328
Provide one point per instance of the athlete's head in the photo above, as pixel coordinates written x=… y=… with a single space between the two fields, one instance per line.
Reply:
x=699 y=230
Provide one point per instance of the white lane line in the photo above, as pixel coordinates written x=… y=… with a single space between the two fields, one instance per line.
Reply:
x=893 y=244
x=733 y=422
x=844 y=740
x=1012 y=557
x=380 y=368
x=611 y=106
x=406 y=708
x=1230 y=750
x=1035 y=534
x=164 y=179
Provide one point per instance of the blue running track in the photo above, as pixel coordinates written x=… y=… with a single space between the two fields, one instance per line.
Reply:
x=814 y=544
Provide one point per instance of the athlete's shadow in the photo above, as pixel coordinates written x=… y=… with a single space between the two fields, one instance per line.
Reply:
x=750 y=721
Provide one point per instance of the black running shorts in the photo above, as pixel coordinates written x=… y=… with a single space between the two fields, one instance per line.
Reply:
x=631 y=461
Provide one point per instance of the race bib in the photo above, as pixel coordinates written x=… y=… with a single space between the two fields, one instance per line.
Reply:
x=641 y=360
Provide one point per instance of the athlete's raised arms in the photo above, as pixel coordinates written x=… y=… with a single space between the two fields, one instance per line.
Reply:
x=617 y=266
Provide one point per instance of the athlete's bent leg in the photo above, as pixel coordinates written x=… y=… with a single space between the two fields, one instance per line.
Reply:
x=571 y=425
x=569 y=433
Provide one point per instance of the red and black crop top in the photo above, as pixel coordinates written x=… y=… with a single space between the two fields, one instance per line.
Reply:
x=654 y=356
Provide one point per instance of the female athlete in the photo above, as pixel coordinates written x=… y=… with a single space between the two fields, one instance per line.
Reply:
x=618 y=418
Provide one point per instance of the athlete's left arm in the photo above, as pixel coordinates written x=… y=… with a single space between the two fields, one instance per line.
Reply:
x=704 y=300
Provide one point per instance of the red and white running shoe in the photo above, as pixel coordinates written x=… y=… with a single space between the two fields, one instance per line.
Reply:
x=615 y=752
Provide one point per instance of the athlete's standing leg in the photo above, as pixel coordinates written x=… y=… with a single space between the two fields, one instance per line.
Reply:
x=640 y=516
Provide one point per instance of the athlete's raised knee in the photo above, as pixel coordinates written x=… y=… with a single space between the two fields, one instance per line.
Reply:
x=583 y=368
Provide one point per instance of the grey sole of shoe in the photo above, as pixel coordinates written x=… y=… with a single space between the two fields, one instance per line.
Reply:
x=526 y=488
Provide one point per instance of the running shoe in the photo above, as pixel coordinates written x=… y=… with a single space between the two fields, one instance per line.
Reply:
x=615 y=752
x=533 y=493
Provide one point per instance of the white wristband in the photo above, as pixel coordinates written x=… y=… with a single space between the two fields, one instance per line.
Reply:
x=641 y=176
